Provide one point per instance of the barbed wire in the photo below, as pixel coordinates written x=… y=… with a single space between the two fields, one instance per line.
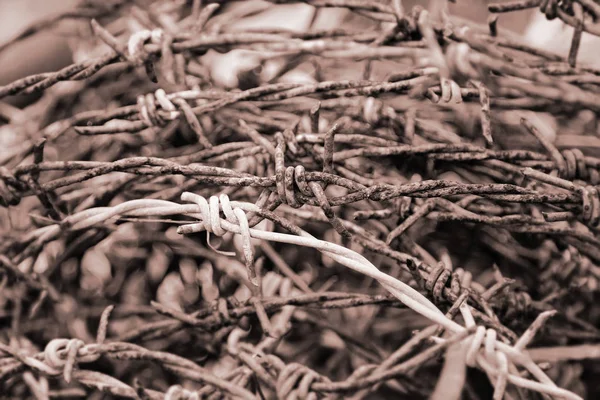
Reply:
x=437 y=147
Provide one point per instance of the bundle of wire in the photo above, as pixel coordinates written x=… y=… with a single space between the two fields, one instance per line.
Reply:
x=404 y=204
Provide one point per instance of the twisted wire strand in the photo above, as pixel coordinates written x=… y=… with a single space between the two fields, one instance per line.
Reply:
x=172 y=107
x=577 y=168
x=590 y=197
x=286 y=177
x=136 y=42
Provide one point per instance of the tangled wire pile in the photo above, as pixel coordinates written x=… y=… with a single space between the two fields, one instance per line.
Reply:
x=407 y=231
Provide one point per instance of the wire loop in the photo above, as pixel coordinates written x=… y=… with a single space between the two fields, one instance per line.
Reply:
x=63 y=354
x=576 y=167
x=211 y=223
x=159 y=108
x=135 y=44
x=438 y=280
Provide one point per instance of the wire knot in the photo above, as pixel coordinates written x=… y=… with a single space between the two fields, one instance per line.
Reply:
x=171 y=107
x=135 y=45
x=438 y=279
x=575 y=167
x=150 y=113
x=210 y=213
x=64 y=354
x=285 y=178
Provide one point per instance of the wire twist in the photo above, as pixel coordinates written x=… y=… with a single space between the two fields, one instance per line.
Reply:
x=441 y=278
x=438 y=279
x=575 y=167
x=136 y=42
x=287 y=179
x=211 y=223
x=290 y=178
x=62 y=355
x=571 y=164
x=497 y=360
x=171 y=107
x=590 y=198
